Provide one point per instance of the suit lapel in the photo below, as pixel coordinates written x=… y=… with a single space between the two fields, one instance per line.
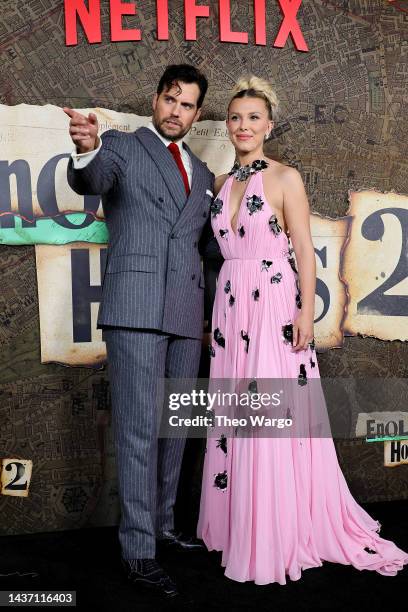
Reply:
x=165 y=164
x=197 y=182
x=196 y=197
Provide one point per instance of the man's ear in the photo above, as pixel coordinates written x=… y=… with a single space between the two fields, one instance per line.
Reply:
x=197 y=115
x=154 y=101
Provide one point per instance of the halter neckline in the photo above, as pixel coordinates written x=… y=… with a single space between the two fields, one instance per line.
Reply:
x=242 y=173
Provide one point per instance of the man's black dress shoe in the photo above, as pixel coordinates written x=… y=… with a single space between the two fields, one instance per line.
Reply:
x=179 y=541
x=148 y=573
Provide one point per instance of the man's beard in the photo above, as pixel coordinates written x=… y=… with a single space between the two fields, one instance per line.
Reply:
x=173 y=136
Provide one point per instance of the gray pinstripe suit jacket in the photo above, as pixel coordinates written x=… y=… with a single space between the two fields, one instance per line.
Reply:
x=153 y=277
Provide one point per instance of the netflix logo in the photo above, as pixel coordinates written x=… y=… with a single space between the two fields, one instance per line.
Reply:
x=87 y=14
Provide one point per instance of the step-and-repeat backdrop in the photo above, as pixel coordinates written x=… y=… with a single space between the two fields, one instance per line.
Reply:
x=339 y=70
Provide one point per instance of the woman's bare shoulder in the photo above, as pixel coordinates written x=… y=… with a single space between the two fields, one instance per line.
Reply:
x=219 y=182
x=282 y=172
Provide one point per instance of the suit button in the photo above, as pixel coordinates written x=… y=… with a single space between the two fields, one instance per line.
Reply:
x=204 y=214
x=172 y=236
x=161 y=200
x=193 y=277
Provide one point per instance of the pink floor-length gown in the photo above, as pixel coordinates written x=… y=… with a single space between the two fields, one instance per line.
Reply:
x=273 y=506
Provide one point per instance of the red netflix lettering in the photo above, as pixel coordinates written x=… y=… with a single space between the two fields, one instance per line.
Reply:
x=117 y=10
x=162 y=20
x=226 y=34
x=87 y=13
x=260 y=22
x=191 y=12
x=90 y=20
x=290 y=25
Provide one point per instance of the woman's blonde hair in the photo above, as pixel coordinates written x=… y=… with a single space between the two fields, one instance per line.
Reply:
x=254 y=87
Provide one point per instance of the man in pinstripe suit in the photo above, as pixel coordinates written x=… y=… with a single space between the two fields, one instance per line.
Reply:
x=156 y=196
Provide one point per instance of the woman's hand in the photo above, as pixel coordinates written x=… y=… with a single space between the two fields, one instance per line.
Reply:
x=302 y=332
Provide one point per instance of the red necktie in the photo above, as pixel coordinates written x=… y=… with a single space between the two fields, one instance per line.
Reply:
x=175 y=151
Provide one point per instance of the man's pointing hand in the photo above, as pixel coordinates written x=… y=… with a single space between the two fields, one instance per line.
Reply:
x=83 y=130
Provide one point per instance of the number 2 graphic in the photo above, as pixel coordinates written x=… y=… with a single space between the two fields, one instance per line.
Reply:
x=15 y=477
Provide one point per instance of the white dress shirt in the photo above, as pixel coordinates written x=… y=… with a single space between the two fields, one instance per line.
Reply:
x=80 y=160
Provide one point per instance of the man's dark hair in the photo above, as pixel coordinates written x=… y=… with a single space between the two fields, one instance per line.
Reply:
x=184 y=73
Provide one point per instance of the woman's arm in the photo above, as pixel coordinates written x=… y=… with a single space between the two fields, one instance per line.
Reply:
x=297 y=215
x=212 y=261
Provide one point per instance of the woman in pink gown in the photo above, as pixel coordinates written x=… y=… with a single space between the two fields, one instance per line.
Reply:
x=273 y=506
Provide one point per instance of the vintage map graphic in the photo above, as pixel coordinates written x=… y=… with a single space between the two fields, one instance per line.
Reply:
x=360 y=258
x=342 y=124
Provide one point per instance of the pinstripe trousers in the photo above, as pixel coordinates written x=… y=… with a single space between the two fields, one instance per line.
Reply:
x=148 y=467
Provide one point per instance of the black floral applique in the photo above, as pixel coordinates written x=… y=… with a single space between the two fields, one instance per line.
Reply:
x=266 y=264
x=287 y=332
x=254 y=204
x=274 y=225
x=312 y=363
x=242 y=173
x=222 y=443
x=259 y=164
x=253 y=386
x=211 y=418
x=255 y=295
x=298 y=296
x=227 y=287
x=231 y=300
x=292 y=263
x=276 y=278
x=216 y=207
x=224 y=233
x=241 y=231
x=302 y=378
x=312 y=345
x=221 y=480
x=211 y=350
x=219 y=338
x=245 y=338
